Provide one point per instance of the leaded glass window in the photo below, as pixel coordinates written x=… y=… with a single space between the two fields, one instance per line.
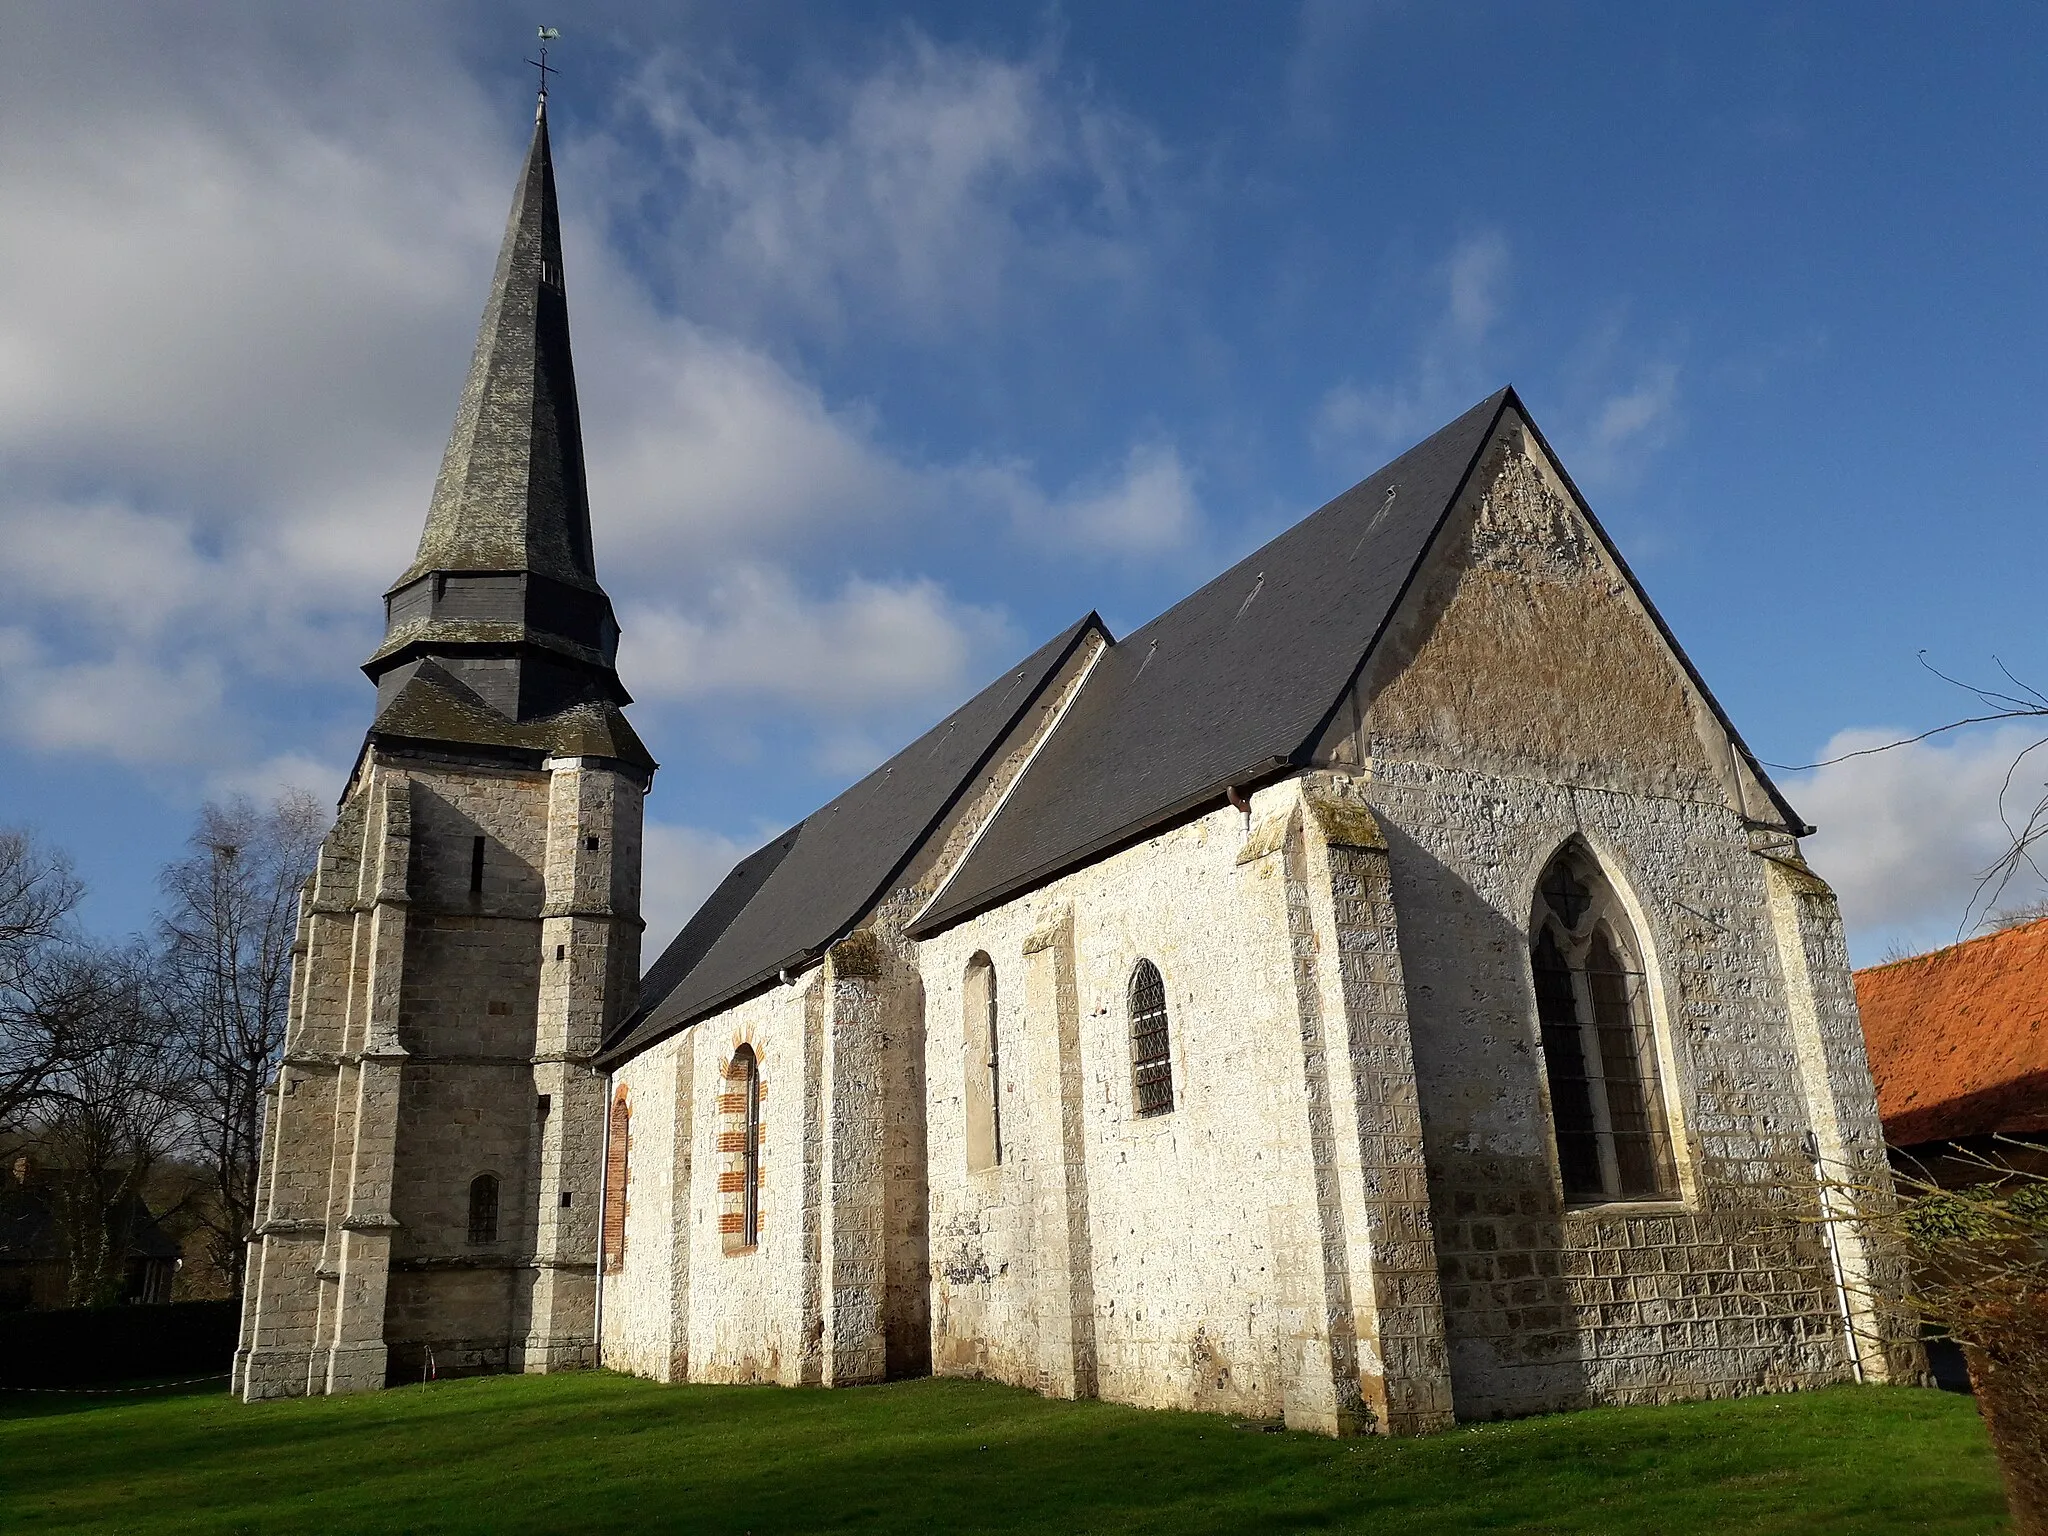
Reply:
x=1151 y=1044
x=483 y=1208
x=1599 y=1046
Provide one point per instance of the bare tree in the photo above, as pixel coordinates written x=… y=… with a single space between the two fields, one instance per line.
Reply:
x=224 y=981
x=112 y=1114
x=47 y=993
x=2025 y=820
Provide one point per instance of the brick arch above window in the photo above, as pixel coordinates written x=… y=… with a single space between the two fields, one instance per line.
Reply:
x=740 y=1134
x=617 y=1170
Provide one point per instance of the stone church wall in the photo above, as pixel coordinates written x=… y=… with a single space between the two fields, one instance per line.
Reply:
x=466 y=1104
x=1546 y=1308
x=1177 y=1205
x=1524 y=699
x=684 y=1302
x=1352 y=1218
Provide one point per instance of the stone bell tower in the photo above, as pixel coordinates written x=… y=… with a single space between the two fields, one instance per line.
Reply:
x=430 y=1173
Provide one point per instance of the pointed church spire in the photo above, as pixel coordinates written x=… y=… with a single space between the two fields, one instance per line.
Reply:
x=511 y=493
x=502 y=599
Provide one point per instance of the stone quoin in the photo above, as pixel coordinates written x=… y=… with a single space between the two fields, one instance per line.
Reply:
x=1381 y=991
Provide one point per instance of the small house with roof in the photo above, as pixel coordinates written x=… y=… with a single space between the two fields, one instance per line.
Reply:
x=1958 y=1044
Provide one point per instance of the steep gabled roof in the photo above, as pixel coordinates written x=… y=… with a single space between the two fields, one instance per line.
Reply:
x=1228 y=685
x=1231 y=686
x=1237 y=682
x=784 y=904
x=1958 y=1039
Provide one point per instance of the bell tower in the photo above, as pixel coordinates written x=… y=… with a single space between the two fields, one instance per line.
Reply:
x=430 y=1170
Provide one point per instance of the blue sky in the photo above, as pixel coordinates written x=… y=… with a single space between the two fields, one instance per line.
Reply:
x=907 y=334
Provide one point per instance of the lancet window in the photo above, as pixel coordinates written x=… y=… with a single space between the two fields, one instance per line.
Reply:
x=981 y=1066
x=739 y=1145
x=1599 y=1045
x=618 y=1148
x=483 y=1208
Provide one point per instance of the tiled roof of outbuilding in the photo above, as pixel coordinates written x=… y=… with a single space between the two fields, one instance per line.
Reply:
x=1958 y=1039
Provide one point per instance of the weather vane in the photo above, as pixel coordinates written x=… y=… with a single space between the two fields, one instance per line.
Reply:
x=547 y=35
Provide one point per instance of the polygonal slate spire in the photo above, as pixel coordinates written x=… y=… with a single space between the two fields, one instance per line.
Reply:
x=511 y=493
x=500 y=616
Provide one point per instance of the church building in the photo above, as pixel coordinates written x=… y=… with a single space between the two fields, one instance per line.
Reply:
x=1380 y=991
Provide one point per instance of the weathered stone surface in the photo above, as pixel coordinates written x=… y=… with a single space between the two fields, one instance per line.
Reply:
x=1352 y=1218
x=445 y=1007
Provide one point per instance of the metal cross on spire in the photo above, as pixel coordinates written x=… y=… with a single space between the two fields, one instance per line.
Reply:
x=547 y=35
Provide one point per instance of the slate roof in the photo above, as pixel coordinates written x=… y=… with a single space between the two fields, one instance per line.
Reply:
x=1958 y=1039
x=511 y=493
x=1231 y=686
x=1239 y=681
x=436 y=706
x=1227 y=685
x=503 y=590
x=784 y=904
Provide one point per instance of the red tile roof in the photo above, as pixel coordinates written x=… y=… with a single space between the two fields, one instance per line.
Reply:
x=1958 y=1039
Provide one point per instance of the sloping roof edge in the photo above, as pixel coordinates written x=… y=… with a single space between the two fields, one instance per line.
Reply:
x=1258 y=771
x=624 y=1044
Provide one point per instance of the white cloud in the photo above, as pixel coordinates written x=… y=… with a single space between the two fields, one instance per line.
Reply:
x=683 y=865
x=1906 y=835
x=1630 y=425
x=930 y=187
x=1475 y=277
x=1449 y=370
x=127 y=706
x=1147 y=506
x=873 y=645
x=701 y=447
x=288 y=772
x=1328 y=34
x=247 y=294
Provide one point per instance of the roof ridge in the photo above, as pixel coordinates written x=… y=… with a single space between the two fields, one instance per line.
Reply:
x=1954 y=947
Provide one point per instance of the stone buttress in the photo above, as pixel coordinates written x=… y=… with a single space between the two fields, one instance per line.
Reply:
x=430 y=1175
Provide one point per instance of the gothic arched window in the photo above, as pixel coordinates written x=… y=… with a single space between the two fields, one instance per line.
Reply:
x=1151 y=1045
x=483 y=1208
x=1599 y=1047
x=739 y=1181
x=981 y=1066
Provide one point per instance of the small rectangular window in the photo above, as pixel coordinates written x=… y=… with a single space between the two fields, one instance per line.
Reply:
x=545 y=1104
x=561 y=951
x=567 y=1199
x=476 y=865
x=590 y=843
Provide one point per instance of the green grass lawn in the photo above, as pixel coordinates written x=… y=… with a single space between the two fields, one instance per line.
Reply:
x=607 y=1452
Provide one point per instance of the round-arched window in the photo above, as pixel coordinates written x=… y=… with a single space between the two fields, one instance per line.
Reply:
x=483 y=1208
x=1151 y=1042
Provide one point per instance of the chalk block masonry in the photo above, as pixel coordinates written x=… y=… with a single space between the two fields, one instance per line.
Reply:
x=1495 y=1008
